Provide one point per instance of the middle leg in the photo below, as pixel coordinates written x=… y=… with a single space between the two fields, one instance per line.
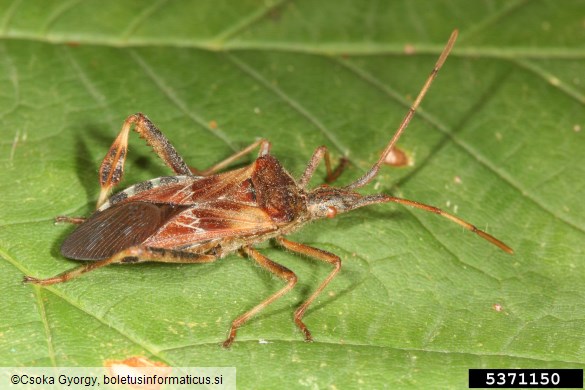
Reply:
x=71 y=220
x=264 y=149
x=277 y=269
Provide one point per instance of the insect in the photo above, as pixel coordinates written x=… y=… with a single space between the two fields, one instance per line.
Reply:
x=202 y=216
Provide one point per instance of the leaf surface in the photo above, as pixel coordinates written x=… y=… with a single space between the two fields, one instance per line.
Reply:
x=499 y=141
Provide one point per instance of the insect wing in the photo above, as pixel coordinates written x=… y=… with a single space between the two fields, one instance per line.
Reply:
x=235 y=185
x=117 y=228
x=212 y=221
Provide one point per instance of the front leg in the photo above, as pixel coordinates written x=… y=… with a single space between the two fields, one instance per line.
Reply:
x=318 y=254
x=332 y=174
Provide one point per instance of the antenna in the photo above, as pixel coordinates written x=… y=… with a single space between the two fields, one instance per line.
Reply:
x=365 y=179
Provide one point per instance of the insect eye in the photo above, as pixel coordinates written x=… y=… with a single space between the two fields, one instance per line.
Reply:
x=331 y=212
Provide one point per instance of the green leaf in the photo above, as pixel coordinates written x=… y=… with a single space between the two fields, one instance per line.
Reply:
x=499 y=141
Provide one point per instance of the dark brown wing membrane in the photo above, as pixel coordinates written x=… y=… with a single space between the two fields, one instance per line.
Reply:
x=117 y=228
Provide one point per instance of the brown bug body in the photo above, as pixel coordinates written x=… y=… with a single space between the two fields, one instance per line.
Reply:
x=201 y=216
x=213 y=215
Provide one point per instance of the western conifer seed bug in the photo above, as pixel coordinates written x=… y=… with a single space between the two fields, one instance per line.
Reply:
x=202 y=216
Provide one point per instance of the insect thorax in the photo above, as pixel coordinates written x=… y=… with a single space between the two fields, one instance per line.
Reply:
x=272 y=189
x=276 y=191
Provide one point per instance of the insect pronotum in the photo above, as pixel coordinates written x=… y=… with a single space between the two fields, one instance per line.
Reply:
x=202 y=216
